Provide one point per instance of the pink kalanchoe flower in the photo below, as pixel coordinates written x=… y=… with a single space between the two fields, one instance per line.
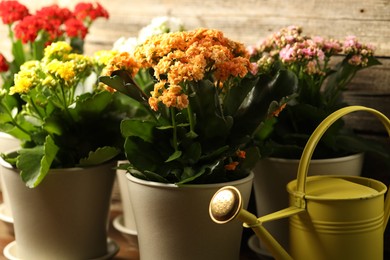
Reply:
x=355 y=60
x=332 y=47
x=254 y=68
x=351 y=44
x=12 y=11
x=287 y=54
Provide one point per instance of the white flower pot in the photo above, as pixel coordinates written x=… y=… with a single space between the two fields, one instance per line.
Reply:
x=272 y=176
x=173 y=223
x=65 y=217
x=125 y=223
x=7 y=143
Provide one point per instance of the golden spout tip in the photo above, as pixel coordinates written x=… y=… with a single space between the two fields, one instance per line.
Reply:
x=225 y=204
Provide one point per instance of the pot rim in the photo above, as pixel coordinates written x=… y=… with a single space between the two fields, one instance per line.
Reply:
x=131 y=178
x=315 y=161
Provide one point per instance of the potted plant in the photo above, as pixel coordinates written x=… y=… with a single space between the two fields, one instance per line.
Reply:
x=29 y=33
x=125 y=222
x=204 y=106
x=323 y=69
x=69 y=129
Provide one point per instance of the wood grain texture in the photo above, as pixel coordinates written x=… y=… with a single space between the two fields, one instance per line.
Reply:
x=249 y=21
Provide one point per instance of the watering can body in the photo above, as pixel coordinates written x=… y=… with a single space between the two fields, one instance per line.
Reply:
x=344 y=219
x=331 y=217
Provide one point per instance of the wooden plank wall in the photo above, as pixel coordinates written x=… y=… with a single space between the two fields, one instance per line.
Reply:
x=249 y=21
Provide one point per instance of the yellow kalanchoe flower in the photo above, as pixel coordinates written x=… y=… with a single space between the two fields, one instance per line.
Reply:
x=57 y=50
x=103 y=57
x=26 y=78
x=62 y=70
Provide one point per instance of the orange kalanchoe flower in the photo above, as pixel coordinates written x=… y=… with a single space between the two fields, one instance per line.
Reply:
x=241 y=154
x=280 y=109
x=231 y=166
x=123 y=61
x=182 y=57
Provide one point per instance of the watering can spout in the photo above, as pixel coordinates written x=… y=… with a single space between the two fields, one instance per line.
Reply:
x=226 y=205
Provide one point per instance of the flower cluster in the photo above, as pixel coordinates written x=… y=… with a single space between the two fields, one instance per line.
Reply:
x=30 y=33
x=310 y=55
x=55 y=22
x=158 y=25
x=62 y=110
x=60 y=70
x=203 y=105
x=182 y=57
x=320 y=84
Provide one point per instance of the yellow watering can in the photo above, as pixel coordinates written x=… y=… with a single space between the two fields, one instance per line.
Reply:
x=331 y=217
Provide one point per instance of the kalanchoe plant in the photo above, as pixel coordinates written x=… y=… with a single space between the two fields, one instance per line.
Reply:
x=30 y=33
x=205 y=105
x=321 y=82
x=66 y=120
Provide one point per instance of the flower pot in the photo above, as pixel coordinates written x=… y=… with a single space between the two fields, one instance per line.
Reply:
x=272 y=176
x=125 y=223
x=173 y=223
x=7 y=143
x=65 y=217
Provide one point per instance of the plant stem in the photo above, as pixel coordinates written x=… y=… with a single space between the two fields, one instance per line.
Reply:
x=191 y=118
x=14 y=123
x=175 y=145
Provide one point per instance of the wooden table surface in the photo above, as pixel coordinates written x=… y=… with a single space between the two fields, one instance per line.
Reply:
x=126 y=252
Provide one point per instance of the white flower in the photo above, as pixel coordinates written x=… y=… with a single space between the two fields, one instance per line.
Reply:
x=159 y=25
x=125 y=45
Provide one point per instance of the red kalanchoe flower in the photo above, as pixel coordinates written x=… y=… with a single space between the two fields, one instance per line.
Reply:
x=27 y=30
x=3 y=64
x=75 y=28
x=12 y=11
x=90 y=12
x=55 y=13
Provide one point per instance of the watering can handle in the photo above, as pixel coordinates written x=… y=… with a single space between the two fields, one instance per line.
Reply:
x=315 y=138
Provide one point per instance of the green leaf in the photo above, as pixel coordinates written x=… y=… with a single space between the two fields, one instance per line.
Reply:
x=18 y=53
x=142 y=155
x=190 y=176
x=99 y=156
x=236 y=95
x=138 y=127
x=34 y=163
x=148 y=175
x=254 y=109
x=174 y=156
x=212 y=127
x=192 y=153
x=215 y=153
x=122 y=82
x=252 y=156
x=88 y=104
